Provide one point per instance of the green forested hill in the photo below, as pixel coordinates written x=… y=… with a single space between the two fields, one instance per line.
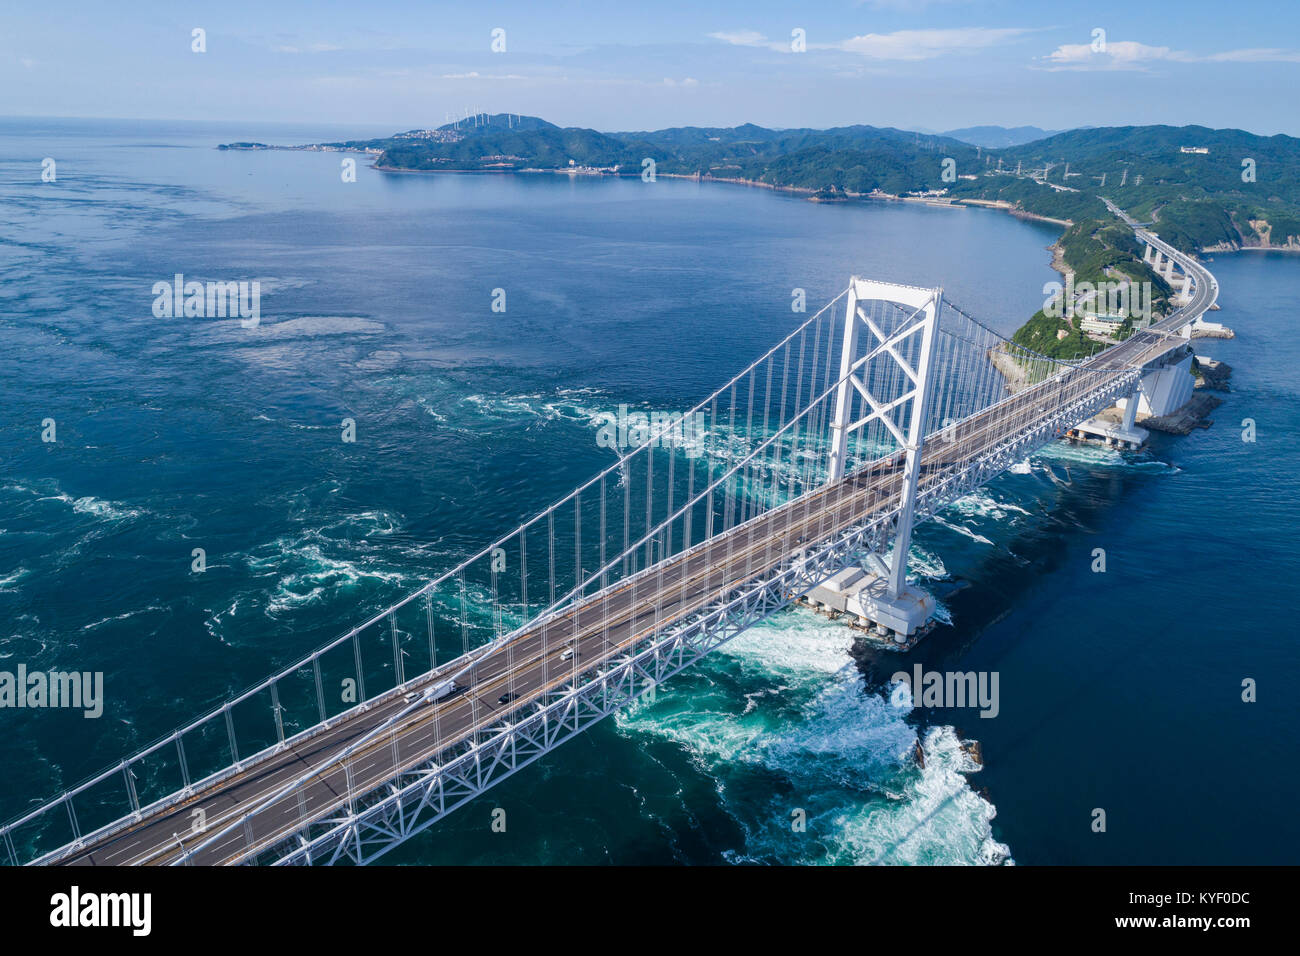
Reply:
x=1244 y=190
x=1195 y=199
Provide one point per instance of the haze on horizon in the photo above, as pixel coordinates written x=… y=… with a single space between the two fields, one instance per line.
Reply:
x=931 y=65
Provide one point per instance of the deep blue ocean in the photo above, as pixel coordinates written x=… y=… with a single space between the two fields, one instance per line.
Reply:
x=1119 y=691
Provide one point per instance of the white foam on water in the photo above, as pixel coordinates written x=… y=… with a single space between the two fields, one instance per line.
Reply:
x=21 y=643
x=1095 y=456
x=938 y=819
x=86 y=504
x=942 y=613
x=213 y=624
x=785 y=698
x=13 y=578
x=97 y=507
x=313 y=565
x=368 y=523
x=427 y=404
x=960 y=529
x=925 y=565
x=269 y=284
x=316 y=574
x=541 y=407
x=1081 y=454
x=983 y=504
x=269 y=329
x=1153 y=464
x=122 y=617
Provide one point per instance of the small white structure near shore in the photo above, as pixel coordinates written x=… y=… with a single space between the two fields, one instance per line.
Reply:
x=1200 y=329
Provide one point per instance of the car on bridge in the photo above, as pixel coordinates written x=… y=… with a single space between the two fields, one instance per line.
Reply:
x=436 y=692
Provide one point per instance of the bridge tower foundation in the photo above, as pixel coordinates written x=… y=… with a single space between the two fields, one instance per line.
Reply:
x=861 y=598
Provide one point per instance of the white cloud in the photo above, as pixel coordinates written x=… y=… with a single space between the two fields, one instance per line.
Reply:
x=475 y=75
x=309 y=48
x=1131 y=55
x=750 y=38
x=1256 y=56
x=906 y=6
x=1116 y=55
x=741 y=37
x=912 y=45
x=927 y=44
x=899 y=45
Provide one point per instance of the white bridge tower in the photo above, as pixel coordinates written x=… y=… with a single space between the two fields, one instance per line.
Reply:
x=877 y=592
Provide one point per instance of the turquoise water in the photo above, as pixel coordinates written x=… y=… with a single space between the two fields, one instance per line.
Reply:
x=1118 y=690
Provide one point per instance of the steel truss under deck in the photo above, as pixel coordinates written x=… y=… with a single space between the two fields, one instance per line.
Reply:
x=362 y=830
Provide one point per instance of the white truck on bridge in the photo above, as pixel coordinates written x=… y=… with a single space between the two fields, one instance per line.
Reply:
x=437 y=692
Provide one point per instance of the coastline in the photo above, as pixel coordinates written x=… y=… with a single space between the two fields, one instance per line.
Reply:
x=813 y=195
x=1058 y=258
x=1014 y=210
x=737 y=181
x=1224 y=249
x=402 y=169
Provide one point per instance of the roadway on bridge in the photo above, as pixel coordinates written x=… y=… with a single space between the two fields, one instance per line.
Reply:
x=600 y=629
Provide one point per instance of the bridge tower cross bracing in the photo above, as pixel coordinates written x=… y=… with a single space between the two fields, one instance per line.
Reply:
x=926 y=305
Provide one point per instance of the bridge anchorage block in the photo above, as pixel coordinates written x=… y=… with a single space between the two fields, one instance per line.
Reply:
x=860 y=599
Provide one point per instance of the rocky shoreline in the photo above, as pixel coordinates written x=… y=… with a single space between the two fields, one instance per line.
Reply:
x=1223 y=247
x=1014 y=210
x=1212 y=374
x=1191 y=416
x=1012 y=372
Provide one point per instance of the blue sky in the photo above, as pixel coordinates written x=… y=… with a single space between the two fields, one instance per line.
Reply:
x=914 y=64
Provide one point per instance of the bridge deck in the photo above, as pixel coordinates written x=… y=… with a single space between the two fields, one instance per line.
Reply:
x=599 y=629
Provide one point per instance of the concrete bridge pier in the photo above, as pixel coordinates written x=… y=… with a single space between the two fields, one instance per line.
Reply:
x=1130 y=410
x=1163 y=389
x=860 y=595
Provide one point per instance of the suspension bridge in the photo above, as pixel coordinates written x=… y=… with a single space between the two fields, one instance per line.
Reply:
x=879 y=410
